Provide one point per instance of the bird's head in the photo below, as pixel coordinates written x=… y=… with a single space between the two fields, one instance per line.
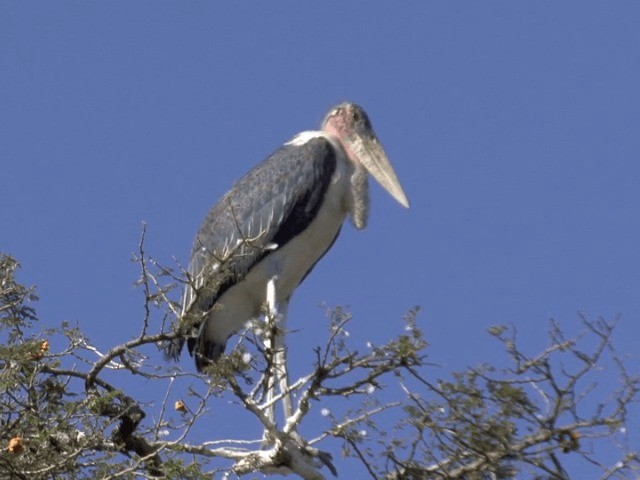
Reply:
x=349 y=124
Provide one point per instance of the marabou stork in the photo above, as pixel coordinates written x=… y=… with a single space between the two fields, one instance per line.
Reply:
x=275 y=224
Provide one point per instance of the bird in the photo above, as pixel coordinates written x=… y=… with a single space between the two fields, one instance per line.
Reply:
x=275 y=224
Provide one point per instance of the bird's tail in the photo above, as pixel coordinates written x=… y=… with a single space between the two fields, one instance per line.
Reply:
x=205 y=352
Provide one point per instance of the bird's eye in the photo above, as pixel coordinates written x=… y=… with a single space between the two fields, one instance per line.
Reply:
x=355 y=115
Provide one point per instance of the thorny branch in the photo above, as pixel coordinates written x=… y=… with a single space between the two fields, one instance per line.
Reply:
x=69 y=410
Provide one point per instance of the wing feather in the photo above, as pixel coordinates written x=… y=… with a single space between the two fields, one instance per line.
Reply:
x=265 y=209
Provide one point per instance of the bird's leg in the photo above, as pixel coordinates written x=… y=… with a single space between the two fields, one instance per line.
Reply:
x=272 y=307
x=281 y=359
x=276 y=319
x=269 y=344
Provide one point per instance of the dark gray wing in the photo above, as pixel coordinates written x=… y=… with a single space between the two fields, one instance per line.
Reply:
x=265 y=209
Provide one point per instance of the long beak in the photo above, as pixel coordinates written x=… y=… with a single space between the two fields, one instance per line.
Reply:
x=369 y=152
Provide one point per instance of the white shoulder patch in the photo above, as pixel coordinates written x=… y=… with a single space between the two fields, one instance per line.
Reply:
x=304 y=137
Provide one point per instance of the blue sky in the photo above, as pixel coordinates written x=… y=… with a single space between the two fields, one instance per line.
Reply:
x=513 y=127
